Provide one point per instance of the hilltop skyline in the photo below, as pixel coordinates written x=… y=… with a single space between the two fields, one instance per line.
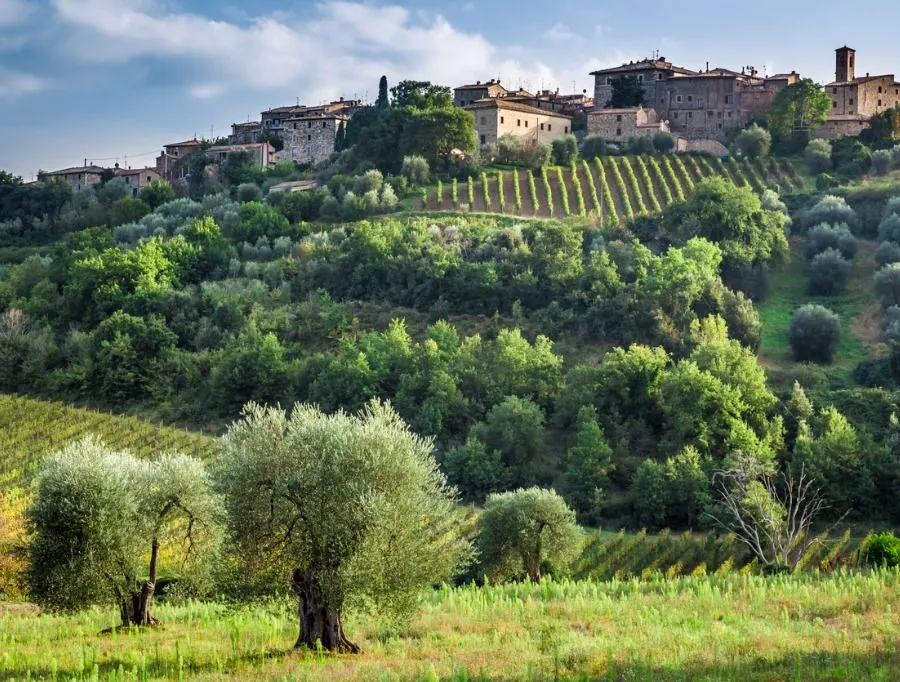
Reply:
x=101 y=79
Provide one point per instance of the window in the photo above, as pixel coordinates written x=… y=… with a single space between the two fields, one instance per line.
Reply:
x=542 y=126
x=309 y=124
x=609 y=81
x=566 y=130
x=324 y=124
x=519 y=122
x=690 y=98
x=526 y=122
x=727 y=99
x=833 y=105
x=851 y=100
x=659 y=76
x=640 y=78
x=619 y=132
x=690 y=114
x=619 y=117
x=483 y=120
x=879 y=102
x=678 y=98
x=483 y=140
x=833 y=91
x=501 y=119
x=720 y=125
x=549 y=127
x=720 y=114
x=729 y=114
x=709 y=114
x=675 y=115
x=309 y=138
x=879 y=89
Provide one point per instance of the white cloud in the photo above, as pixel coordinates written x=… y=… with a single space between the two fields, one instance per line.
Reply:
x=562 y=33
x=343 y=49
x=13 y=12
x=15 y=84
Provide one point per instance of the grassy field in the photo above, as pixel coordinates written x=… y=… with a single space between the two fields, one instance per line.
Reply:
x=857 y=308
x=838 y=627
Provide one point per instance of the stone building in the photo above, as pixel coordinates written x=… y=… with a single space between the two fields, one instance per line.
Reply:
x=498 y=116
x=276 y=120
x=703 y=104
x=169 y=164
x=310 y=139
x=79 y=177
x=855 y=100
x=466 y=95
x=622 y=124
x=136 y=178
x=261 y=153
x=245 y=133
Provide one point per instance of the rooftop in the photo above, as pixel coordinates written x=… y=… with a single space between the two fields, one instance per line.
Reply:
x=502 y=103
x=644 y=64
x=77 y=169
x=187 y=143
x=864 y=79
x=238 y=147
x=479 y=85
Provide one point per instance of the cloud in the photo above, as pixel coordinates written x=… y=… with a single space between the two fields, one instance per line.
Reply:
x=13 y=12
x=562 y=33
x=342 y=49
x=15 y=84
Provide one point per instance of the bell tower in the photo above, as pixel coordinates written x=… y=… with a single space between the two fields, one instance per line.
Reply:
x=845 y=64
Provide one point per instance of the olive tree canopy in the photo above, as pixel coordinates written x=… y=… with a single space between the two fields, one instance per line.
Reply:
x=105 y=523
x=353 y=508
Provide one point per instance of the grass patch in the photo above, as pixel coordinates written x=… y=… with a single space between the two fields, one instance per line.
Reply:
x=855 y=307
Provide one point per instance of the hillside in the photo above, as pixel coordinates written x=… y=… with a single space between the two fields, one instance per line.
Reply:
x=618 y=188
x=31 y=428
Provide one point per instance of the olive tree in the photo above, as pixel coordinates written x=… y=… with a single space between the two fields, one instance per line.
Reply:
x=814 y=334
x=753 y=142
x=818 y=156
x=104 y=522
x=522 y=530
x=352 y=508
x=828 y=273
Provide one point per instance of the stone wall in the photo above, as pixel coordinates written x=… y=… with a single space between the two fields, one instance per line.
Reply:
x=650 y=78
x=622 y=124
x=833 y=129
x=492 y=123
x=311 y=140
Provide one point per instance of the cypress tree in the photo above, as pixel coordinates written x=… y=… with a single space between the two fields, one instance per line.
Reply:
x=340 y=140
x=382 y=101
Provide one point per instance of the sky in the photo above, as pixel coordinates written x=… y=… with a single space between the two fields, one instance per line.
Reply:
x=115 y=80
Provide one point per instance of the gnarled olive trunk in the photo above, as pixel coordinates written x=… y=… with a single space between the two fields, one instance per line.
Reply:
x=319 y=621
x=136 y=609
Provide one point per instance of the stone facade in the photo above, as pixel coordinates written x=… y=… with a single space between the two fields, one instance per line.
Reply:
x=841 y=126
x=497 y=117
x=623 y=124
x=245 y=133
x=79 y=177
x=855 y=100
x=261 y=153
x=466 y=95
x=277 y=120
x=136 y=178
x=169 y=164
x=310 y=139
x=696 y=104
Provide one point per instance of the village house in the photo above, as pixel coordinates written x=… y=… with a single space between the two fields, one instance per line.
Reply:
x=245 y=133
x=79 y=177
x=855 y=100
x=498 y=116
x=465 y=95
x=167 y=163
x=310 y=139
x=623 y=124
x=277 y=120
x=260 y=153
x=136 y=178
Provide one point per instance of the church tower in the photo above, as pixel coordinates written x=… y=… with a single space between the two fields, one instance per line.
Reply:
x=845 y=65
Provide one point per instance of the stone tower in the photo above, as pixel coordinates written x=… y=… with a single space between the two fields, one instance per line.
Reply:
x=845 y=64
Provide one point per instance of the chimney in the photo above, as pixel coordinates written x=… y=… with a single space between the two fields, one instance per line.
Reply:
x=477 y=82
x=707 y=67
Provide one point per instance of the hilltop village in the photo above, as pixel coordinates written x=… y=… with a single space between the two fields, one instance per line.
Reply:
x=702 y=109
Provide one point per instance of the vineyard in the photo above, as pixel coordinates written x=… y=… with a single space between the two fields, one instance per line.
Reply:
x=643 y=556
x=30 y=429
x=618 y=188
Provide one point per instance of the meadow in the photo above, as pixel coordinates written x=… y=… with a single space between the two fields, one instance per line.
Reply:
x=737 y=627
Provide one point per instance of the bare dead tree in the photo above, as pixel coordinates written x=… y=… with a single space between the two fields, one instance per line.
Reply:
x=771 y=516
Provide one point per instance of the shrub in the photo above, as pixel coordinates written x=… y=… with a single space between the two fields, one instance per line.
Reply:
x=830 y=209
x=594 y=146
x=828 y=273
x=565 y=149
x=887 y=285
x=895 y=156
x=851 y=157
x=540 y=156
x=818 y=156
x=881 y=161
x=474 y=470
x=825 y=182
x=889 y=228
x=520 y=532
x=415 y=170
x=814 y=334
x=837 y=237
x=249 y=191
x=641 y=144
x=664 y=142
x=883 y=549
x=753 y=142
x=371 y=180
x=886 y=253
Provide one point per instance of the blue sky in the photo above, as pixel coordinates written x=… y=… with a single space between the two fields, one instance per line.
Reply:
x=114 y=79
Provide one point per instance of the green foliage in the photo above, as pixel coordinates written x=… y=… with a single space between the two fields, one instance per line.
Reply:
x=814 y=334
x=664 y=142
x=831 y=210
x=620 y=186
x=532 y=191
x=248 y=191
x=486 y=190
x=515 y=429
x=673 y=179
x=517 y=190
x=800 y=106
x=97 y=513
x=355 y=503
x=470 y=188
x=648 y=184
x=382 y=101
x=627 y=92
x=157 y=193
x=564 y=150
x=474 y=469
x=882 y=161
x=851 y=157
x=127 y=210
x=589 y=462
x=818 y=156
x=882 y=549
x=633 y=184
x=415 y=170
x=887 y=285
x=563 y=192
x=420 y=95
x=594 y=146
x=753 y=142
x=886 y=253
x=548 y=191
x=526 y=532
x=837 y=237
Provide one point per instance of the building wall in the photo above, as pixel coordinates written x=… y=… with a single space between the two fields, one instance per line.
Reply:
x=864 y=98
x=138 y=179
x=834 y=129
x=310 y=141
x=652 y=80
x=493 y=123
x=79 y=181
x=705 y=107
x=622 y=124
x=465 y=96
